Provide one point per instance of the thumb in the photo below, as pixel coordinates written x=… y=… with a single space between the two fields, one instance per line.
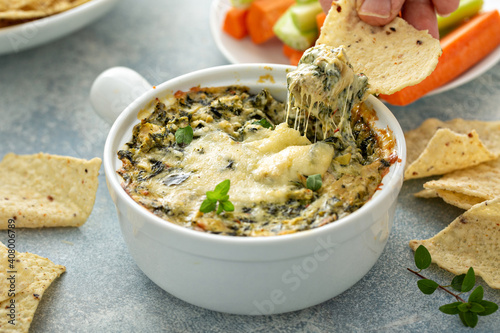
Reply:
x=379 y=12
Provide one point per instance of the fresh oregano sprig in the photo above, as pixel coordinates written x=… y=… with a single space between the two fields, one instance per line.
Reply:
x=184 y=135
x=314 y=182
x=264 y=123
x=467 y=311
x=219 y=194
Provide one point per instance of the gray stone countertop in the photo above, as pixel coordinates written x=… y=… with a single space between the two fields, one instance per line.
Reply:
x=44 y=107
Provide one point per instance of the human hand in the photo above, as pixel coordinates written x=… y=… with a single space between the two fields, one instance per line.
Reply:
x=419 y=13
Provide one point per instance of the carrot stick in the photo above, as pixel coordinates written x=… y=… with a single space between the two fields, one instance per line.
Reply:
x=261 y=17
x=462 y=49
x=235 y=22
x=295 y=58
x=288 y=51
x=292 y=54
x=320 y=19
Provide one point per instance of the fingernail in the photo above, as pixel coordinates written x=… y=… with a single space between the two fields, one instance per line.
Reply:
x=375 y=8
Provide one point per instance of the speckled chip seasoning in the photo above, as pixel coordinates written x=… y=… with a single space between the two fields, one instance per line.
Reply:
x=44 y=190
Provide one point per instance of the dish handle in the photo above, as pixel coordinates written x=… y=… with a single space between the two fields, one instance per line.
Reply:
x=114 y=89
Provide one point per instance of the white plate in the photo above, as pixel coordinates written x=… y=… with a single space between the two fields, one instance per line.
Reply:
x=244 y=51
x=27 y=35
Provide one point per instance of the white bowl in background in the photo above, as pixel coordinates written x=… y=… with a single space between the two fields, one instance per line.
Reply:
x=37 y=32
x=242 y=275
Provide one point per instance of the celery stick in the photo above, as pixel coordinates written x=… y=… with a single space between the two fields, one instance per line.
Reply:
x=289 y=34
x=304 y=15
x=241 y=3
x=300 y=2
x=466 y=9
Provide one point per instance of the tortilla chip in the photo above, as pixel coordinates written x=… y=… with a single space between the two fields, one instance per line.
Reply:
x=472 y=240
x=45 y=190
x=387 y=55
x=459 y=200
x=30 y=9
x=467 y=187
x=456 y=199
x=448 y=151
x=23 y=305
x=6 y=5
x=432 y=150
x=12 y=266
x=489 y=132
x=426 y=194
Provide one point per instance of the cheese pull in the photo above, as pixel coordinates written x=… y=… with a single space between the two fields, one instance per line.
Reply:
x=324 y=88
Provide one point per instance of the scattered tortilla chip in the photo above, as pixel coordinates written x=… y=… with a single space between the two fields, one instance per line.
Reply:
x=12 y=266
x=426 y=194
x=23 y=305
x=387 y=55
x=45 y=190
x=438 y=147
x=31 y=9
x=448 y=151
x=472 y=240
x=456 y=199
x=467 y=187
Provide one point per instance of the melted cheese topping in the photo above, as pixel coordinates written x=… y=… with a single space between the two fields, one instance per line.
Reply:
x=262 y=170
x=267 y=167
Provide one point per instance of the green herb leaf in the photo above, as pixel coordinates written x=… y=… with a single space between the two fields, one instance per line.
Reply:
x=489 y=308
x=469 y=281
x=219 y=194
x=463 y=307
x=476 y=307
x=470 y=318
x=467 y=311
x=451 y=309
x=427 y=286
x=422 y=257
x=264 y=123
x=457 y=282
x=227 y=206
x=222 y=188
x=314 y=182
x=207 y=206
x=184 y=135
x=462 y=318
x=477 y=295
x=224 y=198
x=212 y=196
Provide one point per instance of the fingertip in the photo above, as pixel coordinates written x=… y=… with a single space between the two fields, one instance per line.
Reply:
x=326 y=4
x=433 y=31
x=445 y=7
x=422 y=16
x=377 y=12
x=374 y=20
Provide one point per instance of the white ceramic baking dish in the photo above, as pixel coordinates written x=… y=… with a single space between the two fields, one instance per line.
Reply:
x=242 y=275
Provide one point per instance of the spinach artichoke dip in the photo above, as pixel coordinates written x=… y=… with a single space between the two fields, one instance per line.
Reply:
x=271 y=167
